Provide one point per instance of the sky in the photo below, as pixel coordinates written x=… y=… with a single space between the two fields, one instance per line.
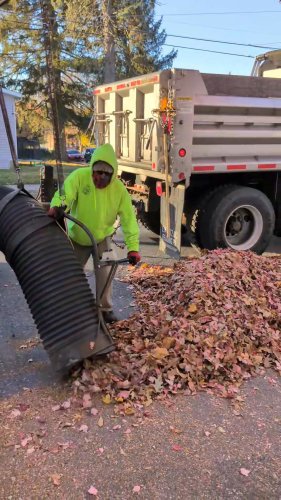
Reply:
x=256 y=22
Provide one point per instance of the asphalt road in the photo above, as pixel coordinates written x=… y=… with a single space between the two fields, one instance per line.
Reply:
x=189 y=448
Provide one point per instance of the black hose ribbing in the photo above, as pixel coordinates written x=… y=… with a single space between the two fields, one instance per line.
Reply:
x=53 y=282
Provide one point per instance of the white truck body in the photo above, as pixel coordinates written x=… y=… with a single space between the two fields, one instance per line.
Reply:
x=219 y=129
x=268 y=64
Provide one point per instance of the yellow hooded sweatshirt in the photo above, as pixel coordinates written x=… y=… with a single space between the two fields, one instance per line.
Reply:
x=98 y=208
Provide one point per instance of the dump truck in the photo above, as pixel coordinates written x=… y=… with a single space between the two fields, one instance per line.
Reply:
x=199 y=153
x=268 y=64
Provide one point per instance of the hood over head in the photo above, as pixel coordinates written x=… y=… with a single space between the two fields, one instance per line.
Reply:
x=107 y=154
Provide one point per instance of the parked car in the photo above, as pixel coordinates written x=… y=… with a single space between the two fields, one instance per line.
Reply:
x=74 y=154
x=88 y=154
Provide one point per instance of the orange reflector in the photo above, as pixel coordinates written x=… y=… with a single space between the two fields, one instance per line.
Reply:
x=163 y=103
x=182 y=152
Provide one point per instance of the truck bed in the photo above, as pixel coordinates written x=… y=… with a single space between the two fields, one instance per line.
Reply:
x=242 y=86
x=219 y=120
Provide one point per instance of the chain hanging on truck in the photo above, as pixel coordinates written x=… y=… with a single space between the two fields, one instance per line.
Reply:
x=167 y=111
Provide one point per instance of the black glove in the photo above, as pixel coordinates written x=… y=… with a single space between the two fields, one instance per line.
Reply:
x=56 y=212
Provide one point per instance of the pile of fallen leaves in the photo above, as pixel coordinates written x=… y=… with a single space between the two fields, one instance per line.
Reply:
x=205 y=324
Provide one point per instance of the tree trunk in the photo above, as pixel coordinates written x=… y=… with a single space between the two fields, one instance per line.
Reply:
x=50 y=36
x=109 y=45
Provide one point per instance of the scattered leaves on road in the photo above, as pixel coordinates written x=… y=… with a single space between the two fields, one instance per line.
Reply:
x=55 y=478
x=100 y=422
x=244 y=472
x=136 y=489
x=15 y=413
x=106 y=399
x=93 y=491
x=176 y=447
x=83 y=428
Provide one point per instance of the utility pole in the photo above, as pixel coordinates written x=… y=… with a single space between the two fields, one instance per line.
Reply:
x=109 y=43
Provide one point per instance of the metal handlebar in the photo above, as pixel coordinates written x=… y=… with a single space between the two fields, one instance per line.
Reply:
x=97 y=262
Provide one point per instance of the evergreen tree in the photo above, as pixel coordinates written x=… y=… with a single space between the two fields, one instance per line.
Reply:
x=124 y=36
x=139 y=39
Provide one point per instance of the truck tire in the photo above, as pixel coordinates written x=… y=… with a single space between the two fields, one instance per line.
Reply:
x=241 y=218
x=193 y=213
x=190 y=233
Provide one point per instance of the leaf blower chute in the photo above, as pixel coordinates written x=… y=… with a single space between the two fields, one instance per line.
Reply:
x=52 y=280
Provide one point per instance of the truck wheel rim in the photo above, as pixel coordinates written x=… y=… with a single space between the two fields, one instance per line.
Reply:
x=243 y=227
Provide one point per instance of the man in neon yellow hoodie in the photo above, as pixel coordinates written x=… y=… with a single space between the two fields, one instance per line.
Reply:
x=95 y=197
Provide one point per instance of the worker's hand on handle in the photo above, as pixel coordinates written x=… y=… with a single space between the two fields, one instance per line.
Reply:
x=56 y=212
x=134 y=258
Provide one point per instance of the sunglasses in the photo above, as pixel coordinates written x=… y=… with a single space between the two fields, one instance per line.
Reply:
x=101 y=172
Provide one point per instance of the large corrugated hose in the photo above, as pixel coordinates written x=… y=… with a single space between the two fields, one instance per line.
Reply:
x=56 y=289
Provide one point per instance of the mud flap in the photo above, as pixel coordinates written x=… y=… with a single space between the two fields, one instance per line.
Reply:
x=171 y=221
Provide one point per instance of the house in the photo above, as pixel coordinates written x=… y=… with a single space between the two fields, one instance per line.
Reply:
x=5 y=154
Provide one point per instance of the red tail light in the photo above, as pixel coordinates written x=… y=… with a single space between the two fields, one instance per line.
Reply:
x=182 y=152
x=159 y=189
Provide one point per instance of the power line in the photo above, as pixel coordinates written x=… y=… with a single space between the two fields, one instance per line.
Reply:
x=172 y=14
x=168 y=35
x=206 y=50
x=35 y=28
x=221 y=13
x=220 y=41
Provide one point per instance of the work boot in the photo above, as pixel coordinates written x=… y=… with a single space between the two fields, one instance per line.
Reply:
x=109 y=316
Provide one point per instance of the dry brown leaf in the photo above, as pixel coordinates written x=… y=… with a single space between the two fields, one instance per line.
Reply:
x=129 y=411
x=192 y=308
x=100 y=422
x=106 y=399
x=169 y=342
x=83 y=428
x=244 y=472
x=160 y=352
x=136 y=489
x=56 y=478
x=93 y=491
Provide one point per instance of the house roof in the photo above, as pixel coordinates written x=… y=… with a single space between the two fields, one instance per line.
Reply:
x=12 y=93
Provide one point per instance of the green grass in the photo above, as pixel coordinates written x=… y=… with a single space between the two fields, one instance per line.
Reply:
x=29 y=174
